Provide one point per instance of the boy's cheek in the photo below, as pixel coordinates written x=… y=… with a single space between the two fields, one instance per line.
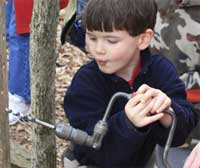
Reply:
x=86 y=40
x=87 y=46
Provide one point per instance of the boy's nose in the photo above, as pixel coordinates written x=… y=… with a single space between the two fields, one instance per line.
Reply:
x=100 y=48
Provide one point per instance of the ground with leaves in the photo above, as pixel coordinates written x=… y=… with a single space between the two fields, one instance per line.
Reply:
x=69 y=60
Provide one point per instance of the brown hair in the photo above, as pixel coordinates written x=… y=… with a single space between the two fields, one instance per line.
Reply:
x=134 y=16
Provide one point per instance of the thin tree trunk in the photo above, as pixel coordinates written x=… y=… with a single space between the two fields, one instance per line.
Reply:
x=4 y=127
x=42 y=69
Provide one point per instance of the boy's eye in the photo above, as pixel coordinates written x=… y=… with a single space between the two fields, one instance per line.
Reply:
x=112 y=41
x=92 y=38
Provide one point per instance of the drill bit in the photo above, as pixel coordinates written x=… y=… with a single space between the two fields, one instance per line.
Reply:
x=37 y=121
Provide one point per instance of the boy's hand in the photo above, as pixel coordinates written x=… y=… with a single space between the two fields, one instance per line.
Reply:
x=137 y=111
x=160 y=101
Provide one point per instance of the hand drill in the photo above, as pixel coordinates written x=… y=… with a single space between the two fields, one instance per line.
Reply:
x=77 y=136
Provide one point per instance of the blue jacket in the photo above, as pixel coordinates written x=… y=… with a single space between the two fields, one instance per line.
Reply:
x=87 y=98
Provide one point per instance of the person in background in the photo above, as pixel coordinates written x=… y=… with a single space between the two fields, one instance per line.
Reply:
x=118 y=35
x=73 y=30
x=193 y=160
x=177 y=37
x=18 y=15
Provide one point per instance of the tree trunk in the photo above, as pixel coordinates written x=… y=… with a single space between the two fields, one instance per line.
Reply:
x=42 y=69
x=4 y=127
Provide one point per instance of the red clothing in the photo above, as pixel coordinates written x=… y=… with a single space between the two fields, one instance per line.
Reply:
x=23 y=12
x=135 y=73
x=193 y=95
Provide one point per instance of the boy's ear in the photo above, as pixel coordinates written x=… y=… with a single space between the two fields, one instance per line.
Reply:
x=145 y=39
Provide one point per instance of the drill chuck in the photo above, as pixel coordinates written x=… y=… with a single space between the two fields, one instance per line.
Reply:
x=67 y=132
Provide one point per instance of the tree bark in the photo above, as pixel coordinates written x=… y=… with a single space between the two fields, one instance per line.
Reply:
x=42 y=71
x=20 y=156
x=4 y=127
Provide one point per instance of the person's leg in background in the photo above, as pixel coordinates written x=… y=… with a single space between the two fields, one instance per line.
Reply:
x=77 y=33
x=73 y=31
x=7 y=15
x=81 y=4
x=18 y=69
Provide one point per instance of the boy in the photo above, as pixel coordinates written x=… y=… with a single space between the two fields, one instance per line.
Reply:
x=118 y=34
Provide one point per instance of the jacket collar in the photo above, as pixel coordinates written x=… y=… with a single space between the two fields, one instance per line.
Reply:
x=145 y=60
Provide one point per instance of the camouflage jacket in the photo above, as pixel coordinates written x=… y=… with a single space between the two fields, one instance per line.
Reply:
x=177 y=36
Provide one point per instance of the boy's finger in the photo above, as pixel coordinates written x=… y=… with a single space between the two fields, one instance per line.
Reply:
x=149 y=95
x=143 y=89
x=139 y=108
x=165 y=105
x=134 y=100
x=147 y=107
x=158 y=102
x=153 y=118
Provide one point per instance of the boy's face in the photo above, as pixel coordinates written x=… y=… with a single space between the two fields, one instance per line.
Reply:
x=115 y=52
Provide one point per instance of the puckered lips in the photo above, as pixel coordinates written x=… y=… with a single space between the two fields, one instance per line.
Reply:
x=101 y=62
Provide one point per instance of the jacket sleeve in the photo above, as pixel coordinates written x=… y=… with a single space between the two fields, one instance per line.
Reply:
x=186 y=116
x=23 y=14
x=23 y=20
x=85 y=104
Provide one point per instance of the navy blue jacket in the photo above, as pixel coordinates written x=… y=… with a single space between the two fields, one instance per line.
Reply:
x=87 y=98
